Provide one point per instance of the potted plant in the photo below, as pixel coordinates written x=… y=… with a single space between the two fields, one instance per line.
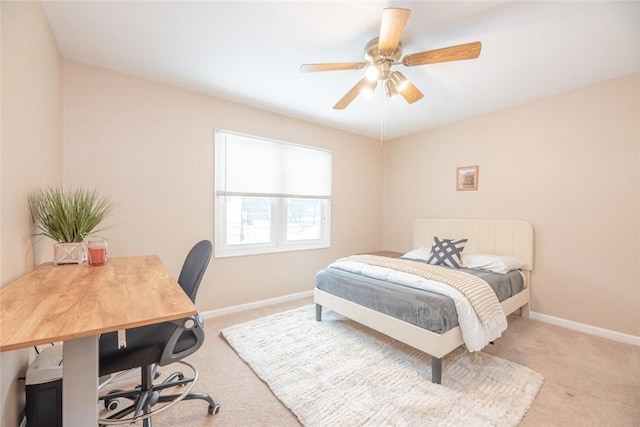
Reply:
x=68 y=217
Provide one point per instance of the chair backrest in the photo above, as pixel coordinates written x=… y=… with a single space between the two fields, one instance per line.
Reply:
x=194 y=268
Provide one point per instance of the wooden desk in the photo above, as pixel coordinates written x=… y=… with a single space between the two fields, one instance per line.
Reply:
x=76 y=303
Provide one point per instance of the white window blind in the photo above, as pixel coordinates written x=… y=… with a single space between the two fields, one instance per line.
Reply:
x=260 y=167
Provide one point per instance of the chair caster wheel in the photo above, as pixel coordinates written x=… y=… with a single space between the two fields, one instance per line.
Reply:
x=112 y=404
x=214 y=409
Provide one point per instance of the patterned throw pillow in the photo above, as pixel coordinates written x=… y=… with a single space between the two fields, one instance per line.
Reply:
x=447 y=252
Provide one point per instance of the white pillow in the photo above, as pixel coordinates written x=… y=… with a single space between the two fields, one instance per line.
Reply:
x=421 y=254
x=495 y=263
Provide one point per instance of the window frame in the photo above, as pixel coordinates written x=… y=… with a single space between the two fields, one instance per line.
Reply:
x=278 y=241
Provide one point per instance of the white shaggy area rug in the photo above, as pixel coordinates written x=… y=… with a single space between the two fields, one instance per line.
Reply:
x=339 y=373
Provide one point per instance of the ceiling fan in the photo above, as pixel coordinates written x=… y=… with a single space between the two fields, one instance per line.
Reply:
x=385 y=51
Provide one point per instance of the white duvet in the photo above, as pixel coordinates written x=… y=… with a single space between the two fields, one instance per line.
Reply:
x=474 y=334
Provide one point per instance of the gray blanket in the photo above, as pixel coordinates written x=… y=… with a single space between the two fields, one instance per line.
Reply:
x=425 y=309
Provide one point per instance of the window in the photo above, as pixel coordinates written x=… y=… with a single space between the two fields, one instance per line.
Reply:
x=271 y=196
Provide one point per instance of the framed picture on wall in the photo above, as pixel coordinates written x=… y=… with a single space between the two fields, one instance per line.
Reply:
x=467 y=178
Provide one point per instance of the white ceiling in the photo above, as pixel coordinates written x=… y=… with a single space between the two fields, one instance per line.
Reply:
x=250 y=52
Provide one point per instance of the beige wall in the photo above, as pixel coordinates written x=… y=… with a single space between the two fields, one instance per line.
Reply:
x=570 y=165
x=31 y=156
x=150 y=146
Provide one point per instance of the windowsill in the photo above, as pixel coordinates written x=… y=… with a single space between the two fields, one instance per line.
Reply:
x=265 y=251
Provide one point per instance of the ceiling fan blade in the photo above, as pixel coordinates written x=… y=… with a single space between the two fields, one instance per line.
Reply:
x=351 y=95
x=411 y=93
x=391 y=28
x=445 y=54
x=338 y=66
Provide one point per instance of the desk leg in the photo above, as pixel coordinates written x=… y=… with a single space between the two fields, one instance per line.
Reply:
x=80 y=382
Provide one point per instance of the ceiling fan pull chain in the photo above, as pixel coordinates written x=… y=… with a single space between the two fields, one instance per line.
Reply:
x=382 y=121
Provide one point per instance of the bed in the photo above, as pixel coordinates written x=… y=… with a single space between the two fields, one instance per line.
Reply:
x=508 y=238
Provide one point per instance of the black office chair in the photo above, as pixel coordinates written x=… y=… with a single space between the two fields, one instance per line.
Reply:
x=157 y=345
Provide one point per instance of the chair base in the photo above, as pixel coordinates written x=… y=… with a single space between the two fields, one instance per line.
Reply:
x=146 y=395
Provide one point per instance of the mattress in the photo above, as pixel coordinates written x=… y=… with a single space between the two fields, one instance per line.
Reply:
x=425 y=309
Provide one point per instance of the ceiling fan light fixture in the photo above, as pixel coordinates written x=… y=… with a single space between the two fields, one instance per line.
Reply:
x=372 y=73
x=392 y=88
x=400 y=80
x=369 y=88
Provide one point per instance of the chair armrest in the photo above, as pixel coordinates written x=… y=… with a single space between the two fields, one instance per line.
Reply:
x=194 y=324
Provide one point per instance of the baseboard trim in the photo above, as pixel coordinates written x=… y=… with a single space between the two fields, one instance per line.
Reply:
x=568 y=324
x=587 y=329
x=256 y=304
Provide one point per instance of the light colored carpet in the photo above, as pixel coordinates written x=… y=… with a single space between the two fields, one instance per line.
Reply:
x=336 y=372
x=588 y=381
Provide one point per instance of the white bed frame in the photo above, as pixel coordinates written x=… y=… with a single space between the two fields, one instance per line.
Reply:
x=498 y=237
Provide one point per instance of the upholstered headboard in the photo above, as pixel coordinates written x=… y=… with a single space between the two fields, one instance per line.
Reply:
x=487 y=236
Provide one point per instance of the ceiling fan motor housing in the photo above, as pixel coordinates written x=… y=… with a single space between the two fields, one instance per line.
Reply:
x=382 y=62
